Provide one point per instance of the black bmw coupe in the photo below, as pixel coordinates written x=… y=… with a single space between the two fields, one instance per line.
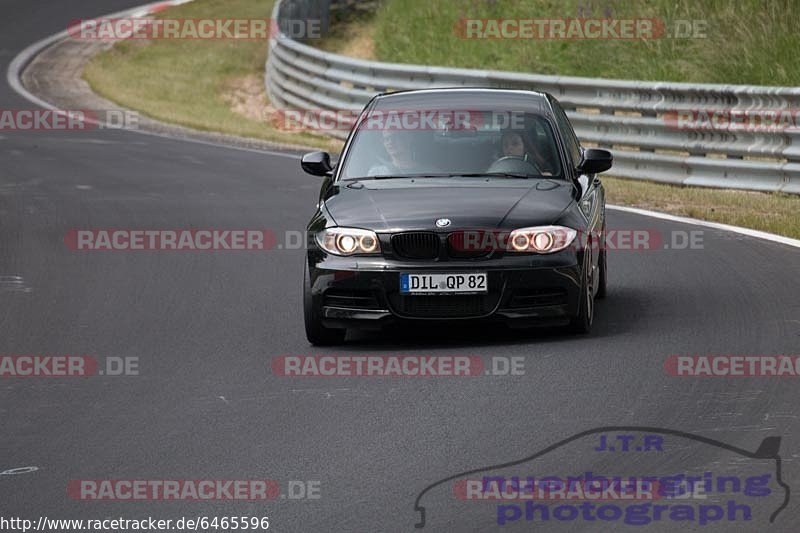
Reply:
x=456 y=204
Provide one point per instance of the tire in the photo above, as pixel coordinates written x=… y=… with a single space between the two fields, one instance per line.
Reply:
x=582 y=323
x=316 y=333
x=603 y=275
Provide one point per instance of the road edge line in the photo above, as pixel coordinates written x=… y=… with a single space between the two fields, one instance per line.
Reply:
x=763 y=235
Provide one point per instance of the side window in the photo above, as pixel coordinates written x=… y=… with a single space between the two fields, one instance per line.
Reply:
x=570 y=140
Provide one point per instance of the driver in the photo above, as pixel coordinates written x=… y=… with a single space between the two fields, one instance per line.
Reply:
x=402 y=157
x=516 y=144
x=513 y=145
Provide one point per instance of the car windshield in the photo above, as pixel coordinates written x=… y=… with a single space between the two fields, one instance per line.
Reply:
x=446 y=143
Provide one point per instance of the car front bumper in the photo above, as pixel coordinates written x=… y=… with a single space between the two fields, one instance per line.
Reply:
x=523 y=290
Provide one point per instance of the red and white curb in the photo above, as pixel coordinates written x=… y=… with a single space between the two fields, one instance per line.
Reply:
x=24 y=58
x=157 y=8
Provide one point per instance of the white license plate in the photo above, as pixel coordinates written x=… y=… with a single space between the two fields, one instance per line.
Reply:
x=464 y=282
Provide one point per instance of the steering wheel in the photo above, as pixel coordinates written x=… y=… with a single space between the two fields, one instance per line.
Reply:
x=514 y=164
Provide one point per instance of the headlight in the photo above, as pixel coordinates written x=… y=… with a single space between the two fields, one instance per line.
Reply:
x=541 y=240
x=348 y=241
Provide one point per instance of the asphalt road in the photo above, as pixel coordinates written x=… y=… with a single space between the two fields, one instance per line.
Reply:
x=205 y=327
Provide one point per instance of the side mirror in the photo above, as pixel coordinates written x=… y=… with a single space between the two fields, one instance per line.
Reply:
x=595 y=161
x=317 y=163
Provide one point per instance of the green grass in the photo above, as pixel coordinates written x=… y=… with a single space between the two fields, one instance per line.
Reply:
x=352 y=33
x=748 y=41
x=771 y=212
x=183 y=81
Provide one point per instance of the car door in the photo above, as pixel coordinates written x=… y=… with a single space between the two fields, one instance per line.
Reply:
x=592 y=195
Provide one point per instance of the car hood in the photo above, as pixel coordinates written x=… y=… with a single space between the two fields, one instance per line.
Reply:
x=405 y=204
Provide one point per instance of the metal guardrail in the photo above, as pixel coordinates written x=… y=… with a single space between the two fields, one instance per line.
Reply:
x=628 y=117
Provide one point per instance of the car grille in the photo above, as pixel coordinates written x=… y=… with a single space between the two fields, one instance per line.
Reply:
x=416 y=245
x=459 y=247
x=442 y=306
x=350 y=299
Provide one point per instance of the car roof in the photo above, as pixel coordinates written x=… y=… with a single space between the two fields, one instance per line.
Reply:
x=468 y=96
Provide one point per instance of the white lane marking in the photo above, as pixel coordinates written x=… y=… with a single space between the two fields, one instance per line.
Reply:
x=20 y=470
x=218 y=145
x=24 y=58
x=89 y=140
x=788 y=241
x=13 y=284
